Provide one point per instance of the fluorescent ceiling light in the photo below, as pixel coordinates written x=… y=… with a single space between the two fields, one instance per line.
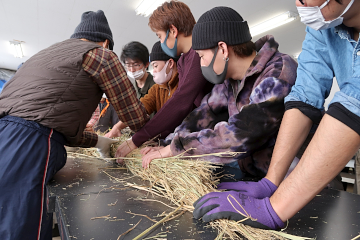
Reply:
x=273 y=23
x=146 y=7
x=16 y=48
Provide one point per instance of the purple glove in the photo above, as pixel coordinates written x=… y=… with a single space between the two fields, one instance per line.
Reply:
x=261 y=189
x=236 y=206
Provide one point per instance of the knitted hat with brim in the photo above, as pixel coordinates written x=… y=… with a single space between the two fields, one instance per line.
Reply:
x=94 y=27
x=220 y=24
x=157 y=54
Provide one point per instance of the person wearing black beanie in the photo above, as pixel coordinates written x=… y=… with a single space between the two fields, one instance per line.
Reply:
x=46 y=106
x=94 y=27
x=241 y=114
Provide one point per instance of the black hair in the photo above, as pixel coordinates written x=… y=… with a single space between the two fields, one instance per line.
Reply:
x=244 y=49
x=135 y=50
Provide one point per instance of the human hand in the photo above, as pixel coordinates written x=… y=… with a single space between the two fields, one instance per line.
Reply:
x=236 y=206
x=113 y=133
x=162 y=153
x=103 y=145
x=124 y=149
x=261 y=189
x=147 y=150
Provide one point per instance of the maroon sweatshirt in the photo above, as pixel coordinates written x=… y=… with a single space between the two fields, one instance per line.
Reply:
x=191 y=89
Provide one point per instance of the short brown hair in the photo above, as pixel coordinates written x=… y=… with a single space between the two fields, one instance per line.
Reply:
x=244 y=49
x=172 y=13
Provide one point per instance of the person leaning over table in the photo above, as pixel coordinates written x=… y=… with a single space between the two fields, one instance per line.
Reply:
x=135 y=57
x=244 y=110
x=173 y=23
x=45 y=106
x=331 y=49
x=166 y=78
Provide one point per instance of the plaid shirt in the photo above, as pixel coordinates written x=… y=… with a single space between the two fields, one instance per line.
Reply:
x=93 y=120
x=106 y=70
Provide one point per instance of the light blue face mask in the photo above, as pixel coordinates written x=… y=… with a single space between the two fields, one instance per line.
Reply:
x=172 y=52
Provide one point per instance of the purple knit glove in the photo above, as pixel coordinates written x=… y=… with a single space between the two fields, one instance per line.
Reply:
x=236 y=206
x=261 y=189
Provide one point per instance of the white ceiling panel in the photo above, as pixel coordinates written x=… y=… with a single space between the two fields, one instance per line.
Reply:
x=41 y=23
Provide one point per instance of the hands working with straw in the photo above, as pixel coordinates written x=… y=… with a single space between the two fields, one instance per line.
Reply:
x=124 y=149
x=248 y=202
x=235 y=205
x=151 y=153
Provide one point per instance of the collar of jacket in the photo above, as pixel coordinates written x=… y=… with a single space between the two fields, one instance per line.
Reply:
x=144 y=90
x=172 y=82
x=266 y=47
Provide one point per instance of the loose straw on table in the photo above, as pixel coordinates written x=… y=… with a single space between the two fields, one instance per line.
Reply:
x=355 y=237
x=156 y=224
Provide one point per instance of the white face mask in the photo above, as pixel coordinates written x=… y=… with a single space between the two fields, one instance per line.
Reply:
x=137 y=75
x=161 y=77
x=312 y=17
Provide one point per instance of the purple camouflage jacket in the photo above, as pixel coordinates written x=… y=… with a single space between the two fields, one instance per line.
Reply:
x=241 y=116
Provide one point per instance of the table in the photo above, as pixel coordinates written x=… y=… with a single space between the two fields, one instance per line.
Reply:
x=82 y=191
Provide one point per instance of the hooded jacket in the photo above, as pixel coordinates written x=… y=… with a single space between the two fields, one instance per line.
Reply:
x=241 y=116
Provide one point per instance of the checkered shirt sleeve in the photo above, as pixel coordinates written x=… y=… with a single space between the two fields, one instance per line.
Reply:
x=106 y=70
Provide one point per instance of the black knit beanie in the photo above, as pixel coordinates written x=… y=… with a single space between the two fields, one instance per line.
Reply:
x=94 y=27
x=157 y=54
x=220 y=24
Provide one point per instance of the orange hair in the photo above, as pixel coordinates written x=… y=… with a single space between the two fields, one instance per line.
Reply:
x=172 y=13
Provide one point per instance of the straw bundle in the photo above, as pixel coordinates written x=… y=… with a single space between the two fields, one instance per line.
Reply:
x=183 y=180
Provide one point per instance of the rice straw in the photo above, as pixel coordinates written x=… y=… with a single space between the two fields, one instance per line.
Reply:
x=182 y=180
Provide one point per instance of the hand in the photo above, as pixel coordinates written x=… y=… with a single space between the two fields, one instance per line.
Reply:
x=103 y=145
x=116 y=130
x=113 y=133
x=89 y=128
x=124 y=149
x=147 y=150
x=236 y=206
x=162 y=153
x=261 y=189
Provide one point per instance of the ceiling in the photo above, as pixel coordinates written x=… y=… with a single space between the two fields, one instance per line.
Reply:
x=41 y=23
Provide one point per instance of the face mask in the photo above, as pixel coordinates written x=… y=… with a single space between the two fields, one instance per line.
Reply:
x=161 y=77
x=312 y=17
x=172 y=52
x=209 y=73
x=136 y=75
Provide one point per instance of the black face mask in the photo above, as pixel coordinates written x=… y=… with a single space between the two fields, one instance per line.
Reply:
x=209 y=73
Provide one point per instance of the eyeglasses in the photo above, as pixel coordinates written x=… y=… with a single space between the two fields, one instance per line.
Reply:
x=133 y=65
x=302 y=2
